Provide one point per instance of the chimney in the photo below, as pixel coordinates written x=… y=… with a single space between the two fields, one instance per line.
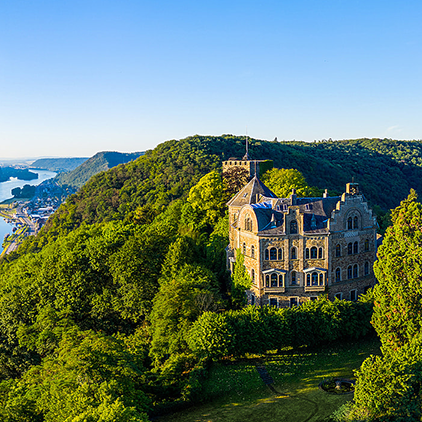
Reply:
x=293 y=197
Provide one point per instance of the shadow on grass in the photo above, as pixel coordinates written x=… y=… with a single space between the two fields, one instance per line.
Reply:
x=236 y=393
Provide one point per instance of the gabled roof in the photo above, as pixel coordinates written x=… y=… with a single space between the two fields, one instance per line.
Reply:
x=248 y=194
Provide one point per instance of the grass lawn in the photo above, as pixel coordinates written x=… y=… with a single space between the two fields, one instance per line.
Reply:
x=236 y=393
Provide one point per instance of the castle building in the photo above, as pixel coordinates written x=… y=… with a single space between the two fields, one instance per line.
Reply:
x=298 y=248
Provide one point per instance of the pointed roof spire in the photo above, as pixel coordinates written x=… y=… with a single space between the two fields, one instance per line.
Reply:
x=246 y=156
x=250 y=193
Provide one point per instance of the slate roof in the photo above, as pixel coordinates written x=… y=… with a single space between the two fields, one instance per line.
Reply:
x=248 y=194
x=316 y=212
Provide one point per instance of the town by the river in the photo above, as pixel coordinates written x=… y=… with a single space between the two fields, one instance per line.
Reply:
x=5 y=193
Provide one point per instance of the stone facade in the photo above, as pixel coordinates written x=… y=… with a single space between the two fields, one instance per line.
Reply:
x=298 y=248
x=253 y=167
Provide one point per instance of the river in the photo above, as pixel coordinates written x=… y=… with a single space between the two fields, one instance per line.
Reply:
x=5 y=193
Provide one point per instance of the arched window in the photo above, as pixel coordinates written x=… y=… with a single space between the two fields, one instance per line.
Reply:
x=307 y=253
x=314 y=279
x=349 y=223
x=273 y=254
x=320 y=253
x=355 y=271
x=338 y=274
x=293 y=253
x=338 y=251
x=349 y=272
x=244 y=248
x=366 y=245
x=313 y=252
x=267 y=281
x=248 y=223
x=356 y=247
x=273 y=280
x=321 y=279
x=350 y=248
x=253 y=251
x=253 y=275
x=267 y=255
x=355 y=223
x=280 y=280
x=293 y=227
x=293 y=279
x=280 y=254
x=308 y=279
x=366 y=268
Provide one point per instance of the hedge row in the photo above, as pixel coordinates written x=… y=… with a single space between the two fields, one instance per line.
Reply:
x=256 y=330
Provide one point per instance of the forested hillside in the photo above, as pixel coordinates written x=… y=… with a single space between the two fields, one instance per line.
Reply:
x=386 y=170
x=116 y=309
x=58 y=165
x=101 y=161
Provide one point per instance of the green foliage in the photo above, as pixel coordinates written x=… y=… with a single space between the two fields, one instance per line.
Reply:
x=27 y=191
x=282 y=181
x=235 y=178
x=241 y=281
x=385 y=170
x=207 y=200
x=90 y=377
x=257 y=330
x=179 y=302
x=388 y=387
x=102 y=161
x=398 y=294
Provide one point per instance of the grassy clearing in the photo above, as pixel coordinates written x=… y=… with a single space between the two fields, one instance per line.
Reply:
x=235 y=393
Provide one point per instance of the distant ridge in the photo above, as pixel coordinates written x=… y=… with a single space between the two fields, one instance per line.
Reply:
x=58 y=165
x=101 y=161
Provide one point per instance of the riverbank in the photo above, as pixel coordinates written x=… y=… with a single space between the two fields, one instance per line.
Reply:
x=9 y=209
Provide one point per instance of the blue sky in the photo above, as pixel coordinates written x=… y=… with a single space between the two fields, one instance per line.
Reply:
x=78 y=77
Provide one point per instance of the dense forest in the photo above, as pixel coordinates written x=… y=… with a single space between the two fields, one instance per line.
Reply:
x=117 y=308
x=385 y=169
x=101 y=161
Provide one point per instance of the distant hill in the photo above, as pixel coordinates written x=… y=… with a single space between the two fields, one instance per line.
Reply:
x=101 y=161
x=385 y=169
x=7 y=172
x=59 y=165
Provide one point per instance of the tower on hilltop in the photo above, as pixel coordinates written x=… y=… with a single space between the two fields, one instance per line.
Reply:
x=253 y=167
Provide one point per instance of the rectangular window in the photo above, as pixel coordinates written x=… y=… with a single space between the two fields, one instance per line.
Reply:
x=293 y=302
x=353 y=295
x=339 y=296
x=273 y=302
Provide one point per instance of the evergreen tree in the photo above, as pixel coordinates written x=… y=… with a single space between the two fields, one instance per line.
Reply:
x=388 y=387
x=398 y=295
